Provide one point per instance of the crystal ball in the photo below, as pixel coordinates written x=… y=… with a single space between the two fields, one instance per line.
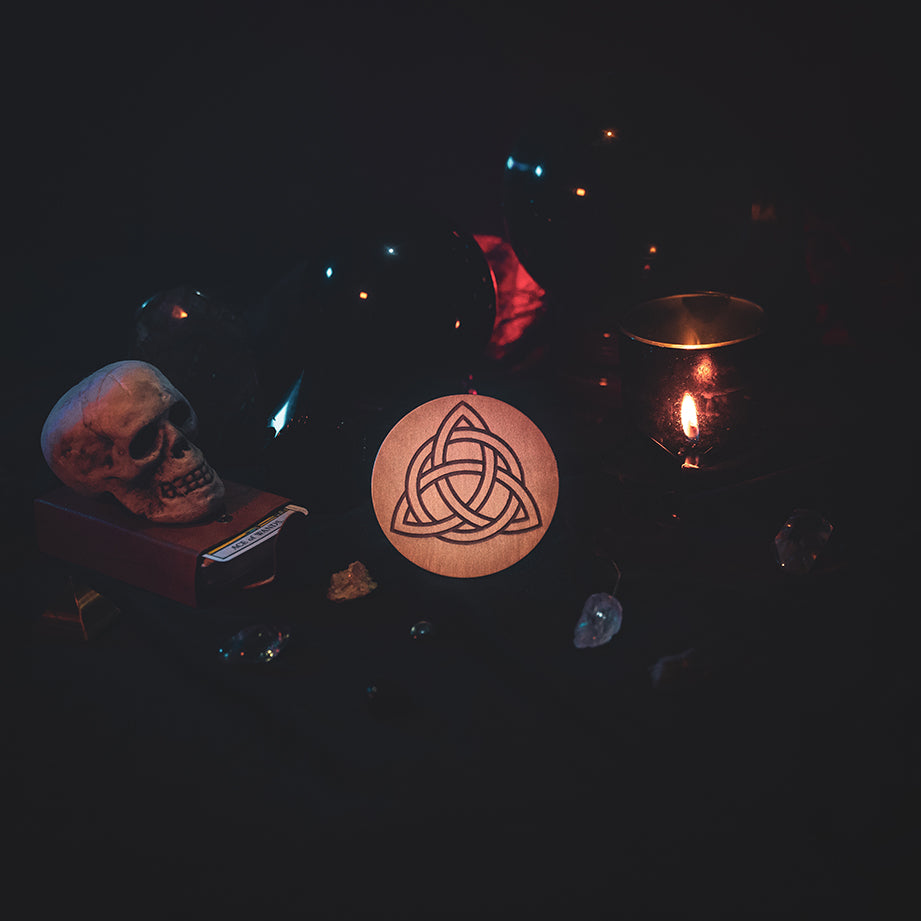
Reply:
x=395 y=298
x=201 y=344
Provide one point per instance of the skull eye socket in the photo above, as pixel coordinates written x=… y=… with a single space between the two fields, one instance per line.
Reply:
x=180 y=413
x=144 y=442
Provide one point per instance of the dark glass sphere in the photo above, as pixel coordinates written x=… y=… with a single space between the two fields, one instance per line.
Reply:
x=322 y=458
x=399 y=299
x=202 y=345
x=632 y=188
x=391 y=309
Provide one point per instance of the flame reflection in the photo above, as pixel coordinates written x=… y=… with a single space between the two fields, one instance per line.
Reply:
x=704 y=369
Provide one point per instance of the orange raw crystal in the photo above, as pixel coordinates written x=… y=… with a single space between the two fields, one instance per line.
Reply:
x=351 y=583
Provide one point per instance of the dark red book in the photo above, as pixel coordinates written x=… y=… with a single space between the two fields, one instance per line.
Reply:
x=189 y=563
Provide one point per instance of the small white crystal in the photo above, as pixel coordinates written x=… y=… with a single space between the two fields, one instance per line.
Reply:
x=601 y=618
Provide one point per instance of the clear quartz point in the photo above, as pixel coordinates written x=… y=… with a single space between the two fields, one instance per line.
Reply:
x=801 y=539
x=601 y=618
x=255 y=644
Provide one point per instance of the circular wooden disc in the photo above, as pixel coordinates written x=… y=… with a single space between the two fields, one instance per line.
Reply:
x=465 y=486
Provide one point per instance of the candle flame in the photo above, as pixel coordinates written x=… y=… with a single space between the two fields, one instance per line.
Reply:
x=689 y=417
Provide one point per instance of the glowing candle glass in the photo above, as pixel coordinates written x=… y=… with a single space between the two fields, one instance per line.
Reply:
x=689 y=373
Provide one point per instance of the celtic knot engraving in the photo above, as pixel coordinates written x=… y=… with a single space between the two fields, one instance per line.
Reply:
x=464 y=485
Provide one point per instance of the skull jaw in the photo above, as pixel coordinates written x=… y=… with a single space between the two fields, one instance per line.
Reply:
x=197 y=505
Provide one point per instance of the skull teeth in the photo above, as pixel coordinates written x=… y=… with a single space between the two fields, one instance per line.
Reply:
x=187 y=483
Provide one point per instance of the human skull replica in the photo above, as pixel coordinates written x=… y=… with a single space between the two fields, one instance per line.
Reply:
x=125 y=430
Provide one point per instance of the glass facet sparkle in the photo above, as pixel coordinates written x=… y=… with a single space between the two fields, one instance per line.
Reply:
x=255 y=644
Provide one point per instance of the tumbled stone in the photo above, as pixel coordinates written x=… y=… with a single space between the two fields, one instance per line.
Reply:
x=421 y=630
x=601 y=618
x=801 y=539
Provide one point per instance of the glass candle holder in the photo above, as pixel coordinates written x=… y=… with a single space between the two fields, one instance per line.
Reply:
x=690 y=371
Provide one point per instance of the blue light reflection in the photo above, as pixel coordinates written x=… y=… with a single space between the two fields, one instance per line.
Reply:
x=281 y=417
x=512 y=163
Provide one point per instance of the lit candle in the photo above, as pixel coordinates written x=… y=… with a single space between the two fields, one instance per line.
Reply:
x=687 y=381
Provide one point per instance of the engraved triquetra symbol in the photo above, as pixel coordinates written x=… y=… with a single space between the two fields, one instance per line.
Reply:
x=464 y=484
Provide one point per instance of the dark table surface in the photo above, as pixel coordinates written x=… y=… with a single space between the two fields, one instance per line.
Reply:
x=779 y=777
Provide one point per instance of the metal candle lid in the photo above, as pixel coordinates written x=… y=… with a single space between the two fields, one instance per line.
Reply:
x=694 y=321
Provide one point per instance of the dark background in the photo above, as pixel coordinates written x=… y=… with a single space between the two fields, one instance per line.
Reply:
x=209 y=144
x=205 y=144
x=155 y=146
x=213 y=140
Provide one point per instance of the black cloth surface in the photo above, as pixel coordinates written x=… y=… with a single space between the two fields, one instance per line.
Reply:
x=512 y=774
